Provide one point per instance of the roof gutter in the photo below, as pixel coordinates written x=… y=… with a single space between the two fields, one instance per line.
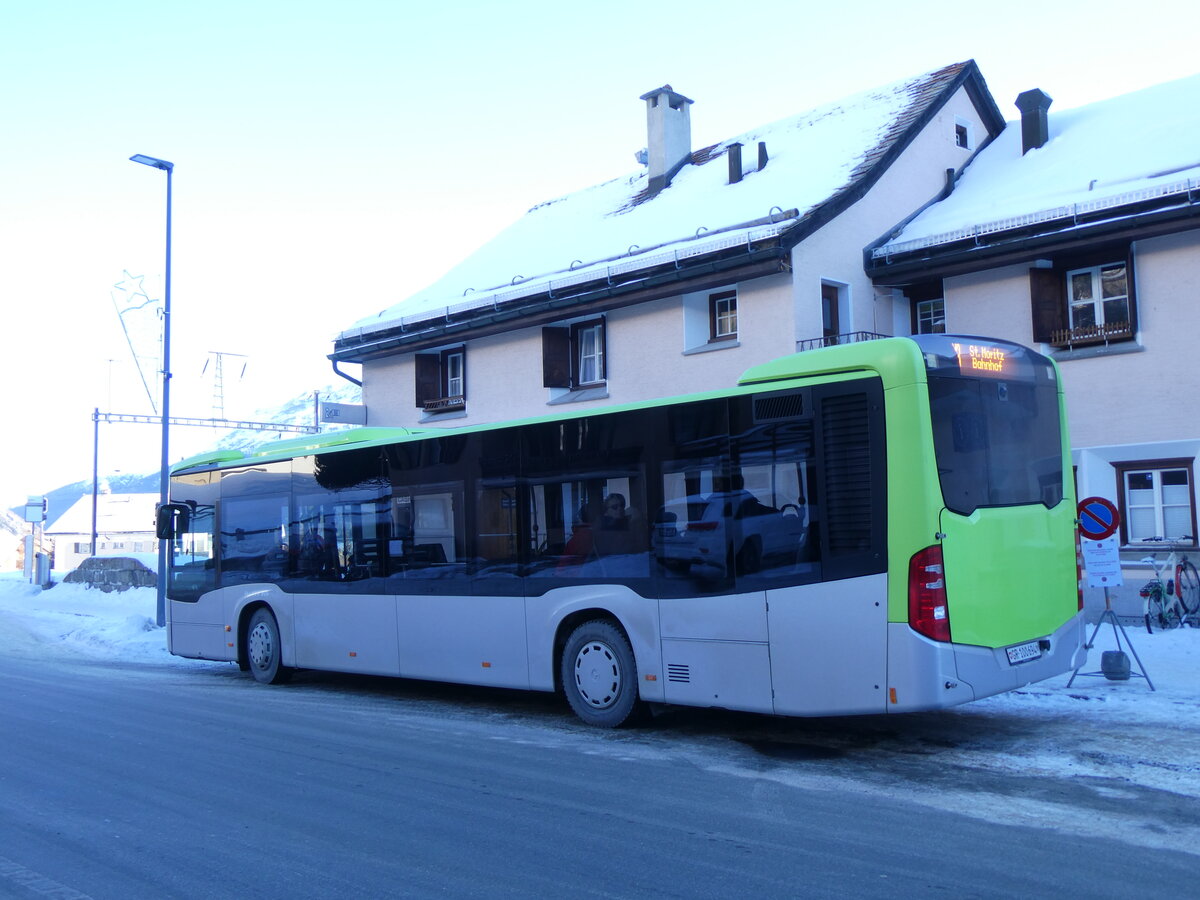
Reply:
x=965 y=257
x=767 y=259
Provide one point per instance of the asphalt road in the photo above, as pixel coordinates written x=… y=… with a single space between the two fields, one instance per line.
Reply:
x=120 y=780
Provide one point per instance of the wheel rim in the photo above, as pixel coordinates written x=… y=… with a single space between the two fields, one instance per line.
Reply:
x=261 y=645
x=597 y=675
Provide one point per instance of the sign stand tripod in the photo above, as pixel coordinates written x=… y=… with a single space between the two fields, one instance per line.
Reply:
x=1118 y=633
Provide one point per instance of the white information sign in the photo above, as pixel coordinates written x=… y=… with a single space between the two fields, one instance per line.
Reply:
x=343 y=414
x=1103 y=562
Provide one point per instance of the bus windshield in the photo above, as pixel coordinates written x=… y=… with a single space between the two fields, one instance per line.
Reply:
x=996 y=430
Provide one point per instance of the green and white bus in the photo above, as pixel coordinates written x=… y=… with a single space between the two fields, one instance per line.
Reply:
x=886 y=526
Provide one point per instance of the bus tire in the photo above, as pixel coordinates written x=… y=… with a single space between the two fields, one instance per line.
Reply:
x=599 y=676
x=264 y=650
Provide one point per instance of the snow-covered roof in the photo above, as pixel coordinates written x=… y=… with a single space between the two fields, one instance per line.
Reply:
x=115 y=514
x=615 y=227
x=1108 y=155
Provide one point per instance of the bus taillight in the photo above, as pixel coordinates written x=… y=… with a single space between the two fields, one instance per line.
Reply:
x=927 y=612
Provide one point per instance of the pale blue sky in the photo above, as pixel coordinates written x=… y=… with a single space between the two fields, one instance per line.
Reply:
x=333 y=158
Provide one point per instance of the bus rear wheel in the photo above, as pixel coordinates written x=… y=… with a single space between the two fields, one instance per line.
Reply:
x=264 y=649
x=599 y=676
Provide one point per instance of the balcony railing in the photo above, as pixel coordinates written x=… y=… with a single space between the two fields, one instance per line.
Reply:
x=1089 y=335
x=834 y=340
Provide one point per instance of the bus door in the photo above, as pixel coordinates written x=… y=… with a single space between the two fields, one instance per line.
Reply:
x=195 y=622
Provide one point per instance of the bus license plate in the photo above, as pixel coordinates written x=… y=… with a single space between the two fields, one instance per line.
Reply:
x=1023 y=652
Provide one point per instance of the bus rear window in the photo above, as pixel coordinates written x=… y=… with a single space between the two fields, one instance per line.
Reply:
x=997 y=442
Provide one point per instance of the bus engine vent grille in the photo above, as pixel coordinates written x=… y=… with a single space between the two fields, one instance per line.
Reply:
x=773 y=407
x=847 y=445
x=679 y=672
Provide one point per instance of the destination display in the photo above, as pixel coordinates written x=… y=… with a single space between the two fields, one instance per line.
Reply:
x=981 y=359
x=968 y=356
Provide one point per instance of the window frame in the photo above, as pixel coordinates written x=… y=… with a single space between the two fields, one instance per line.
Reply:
x=716 y=315
x=935 y=319
x=562 y=359
x=1051 y=303
x=1097 y=300
x=964 y=134
x=1157 y=466
x=598 y=354
x=433 y=380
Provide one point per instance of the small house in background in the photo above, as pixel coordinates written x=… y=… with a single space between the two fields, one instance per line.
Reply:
x=124 y=526
x=683 y=274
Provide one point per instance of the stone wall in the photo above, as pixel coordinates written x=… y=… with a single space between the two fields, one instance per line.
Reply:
x=112 y=573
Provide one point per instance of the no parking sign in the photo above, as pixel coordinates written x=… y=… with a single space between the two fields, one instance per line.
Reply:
x=1098 y=518
x=1098 y=522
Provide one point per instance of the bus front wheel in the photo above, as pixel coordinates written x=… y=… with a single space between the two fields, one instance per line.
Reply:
x=264 y=650
x=599 y=675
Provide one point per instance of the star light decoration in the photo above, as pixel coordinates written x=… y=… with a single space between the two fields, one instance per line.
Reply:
x=131 y=287
x=129 y=297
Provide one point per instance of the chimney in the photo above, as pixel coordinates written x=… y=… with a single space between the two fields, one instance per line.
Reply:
x=669 y=131
x=1035 y=129
x=735 y=162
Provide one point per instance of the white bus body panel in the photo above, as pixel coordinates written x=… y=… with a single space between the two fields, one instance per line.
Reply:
x=197 y=630
x=829 y=647
x=346 y=632
x=475 y=640
x=715 y=653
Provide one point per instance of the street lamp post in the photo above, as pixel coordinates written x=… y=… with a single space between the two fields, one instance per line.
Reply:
x=164 y=475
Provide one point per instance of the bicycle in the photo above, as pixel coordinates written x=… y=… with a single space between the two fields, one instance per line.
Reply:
x=1172 y=603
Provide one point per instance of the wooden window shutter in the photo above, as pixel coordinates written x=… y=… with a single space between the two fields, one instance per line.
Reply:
x=1048 y=302
x=1131 y=292
x=556 y=357
x=429 y=378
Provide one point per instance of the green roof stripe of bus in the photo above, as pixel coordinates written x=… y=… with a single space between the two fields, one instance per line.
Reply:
x=898 y=360
x=901 y=364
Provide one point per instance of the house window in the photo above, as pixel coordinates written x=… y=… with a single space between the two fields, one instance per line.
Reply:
x=830 y=313
x=723 y=316
x=1084 y=301
x=1157 y=500
x=931 y=316
x=962 y=135
x=574 y=356
x=442 y=380
x=587 y=350
x=1099 y=298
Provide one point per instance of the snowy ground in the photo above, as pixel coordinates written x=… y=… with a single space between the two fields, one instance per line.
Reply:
x=1125 y=753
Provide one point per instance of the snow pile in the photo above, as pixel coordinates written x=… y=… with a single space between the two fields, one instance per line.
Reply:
x=74 y=618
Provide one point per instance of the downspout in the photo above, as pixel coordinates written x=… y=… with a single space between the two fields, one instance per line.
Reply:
x=349 y=378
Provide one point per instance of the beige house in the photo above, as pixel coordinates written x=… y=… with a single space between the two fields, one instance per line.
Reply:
x=124 y=527
x=683 y=274
x=1079 y=233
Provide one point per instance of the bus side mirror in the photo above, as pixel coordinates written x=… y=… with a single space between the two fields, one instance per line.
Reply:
x=172 y=519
